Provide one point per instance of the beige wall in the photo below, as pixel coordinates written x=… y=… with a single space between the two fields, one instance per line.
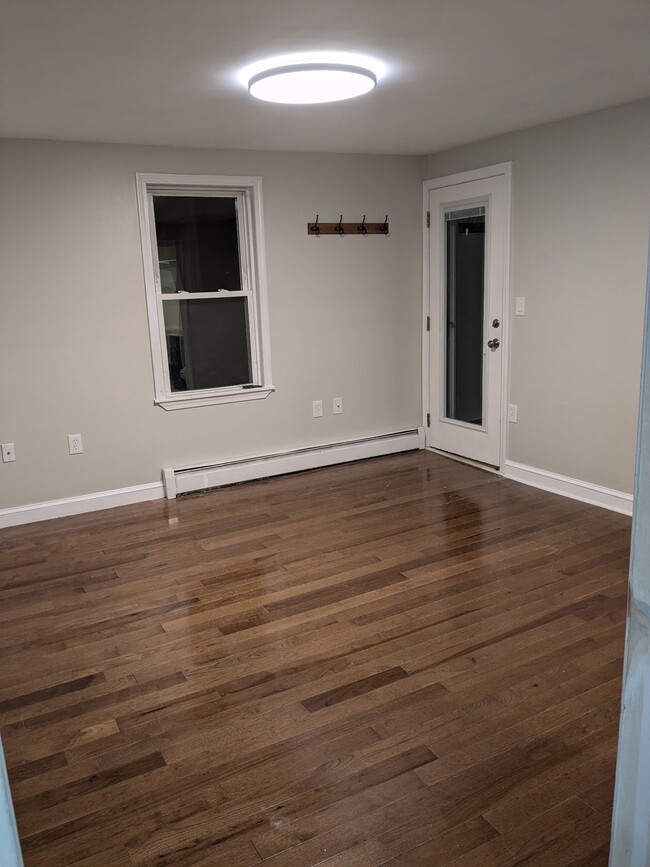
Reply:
x=345 y=314
x=581 y=203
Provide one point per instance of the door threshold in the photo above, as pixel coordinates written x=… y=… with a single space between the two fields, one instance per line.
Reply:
x=461 y=460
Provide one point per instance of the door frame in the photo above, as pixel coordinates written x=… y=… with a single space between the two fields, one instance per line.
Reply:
x=499 y=170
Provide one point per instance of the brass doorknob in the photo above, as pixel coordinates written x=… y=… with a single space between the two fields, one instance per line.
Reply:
x=494 y=343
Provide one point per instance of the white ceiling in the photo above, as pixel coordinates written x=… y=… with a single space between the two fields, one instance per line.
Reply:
x=165 y=71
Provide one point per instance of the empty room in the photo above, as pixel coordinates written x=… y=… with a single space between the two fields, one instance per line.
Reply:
x=325 y=433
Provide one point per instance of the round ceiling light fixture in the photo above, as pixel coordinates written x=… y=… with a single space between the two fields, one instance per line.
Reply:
x=310 y=83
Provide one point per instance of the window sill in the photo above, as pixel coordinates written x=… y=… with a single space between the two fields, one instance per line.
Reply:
x=209 y=398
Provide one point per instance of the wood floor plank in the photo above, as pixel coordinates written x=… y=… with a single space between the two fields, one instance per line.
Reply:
x=370 y=852
x=404 y=660
x=358 y=809
x=358 y=687
x=444 y=847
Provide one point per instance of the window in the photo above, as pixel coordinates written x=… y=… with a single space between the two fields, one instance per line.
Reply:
x=203 y=251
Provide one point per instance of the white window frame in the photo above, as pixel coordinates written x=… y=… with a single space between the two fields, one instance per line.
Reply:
x=248 y=194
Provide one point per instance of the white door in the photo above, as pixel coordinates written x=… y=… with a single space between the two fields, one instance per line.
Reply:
x=467 y=271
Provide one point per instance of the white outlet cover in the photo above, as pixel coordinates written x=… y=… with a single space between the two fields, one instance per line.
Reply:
x=337 y=405
x=75 y=444
x=8 y=452
x=520 y=305
x=317 y=409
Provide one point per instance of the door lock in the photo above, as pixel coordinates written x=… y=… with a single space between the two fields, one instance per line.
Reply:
x=493 y=344
x=495 y=323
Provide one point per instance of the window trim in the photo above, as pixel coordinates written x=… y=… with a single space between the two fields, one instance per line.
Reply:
x=247 y=190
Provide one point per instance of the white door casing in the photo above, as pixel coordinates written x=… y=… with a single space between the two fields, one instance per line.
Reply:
x=490 y=188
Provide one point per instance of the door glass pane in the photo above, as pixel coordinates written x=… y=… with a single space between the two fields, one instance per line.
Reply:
x=207 y=343
x=198 y=247
x=465 y=247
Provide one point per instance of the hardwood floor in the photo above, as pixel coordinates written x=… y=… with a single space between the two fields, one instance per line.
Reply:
x=405 y=661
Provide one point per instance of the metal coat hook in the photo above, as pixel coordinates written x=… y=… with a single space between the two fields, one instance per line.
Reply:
x=362 y=227
x=339 y=229
x=384 y=227
x=316 y=228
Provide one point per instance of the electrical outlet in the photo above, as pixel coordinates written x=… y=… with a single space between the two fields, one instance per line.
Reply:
x=337 y=405
x=512 y=412
x=75 y=445
x=8 y=452
x=520 y=305
x=317 y=409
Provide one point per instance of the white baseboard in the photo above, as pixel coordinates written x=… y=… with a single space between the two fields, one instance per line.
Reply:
x=184 y=480
x=189 y=479
x=77 y=505
x=586 y=492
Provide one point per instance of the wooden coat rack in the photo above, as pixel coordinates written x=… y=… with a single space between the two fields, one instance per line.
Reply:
x=342 y=228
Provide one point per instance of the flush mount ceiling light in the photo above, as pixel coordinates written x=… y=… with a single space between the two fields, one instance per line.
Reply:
x=305 y=83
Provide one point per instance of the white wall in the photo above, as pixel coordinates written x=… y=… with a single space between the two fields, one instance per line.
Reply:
x=74 y=346
x=581 y=203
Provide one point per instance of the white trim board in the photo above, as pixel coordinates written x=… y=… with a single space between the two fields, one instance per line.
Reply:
x=78 y=505
x=186 y=479
x=586 y=492
x=189 y=479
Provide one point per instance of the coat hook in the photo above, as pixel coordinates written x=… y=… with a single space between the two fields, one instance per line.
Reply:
x=339 y=229
x=362 y=227
x=316 y=228
x=384 y=227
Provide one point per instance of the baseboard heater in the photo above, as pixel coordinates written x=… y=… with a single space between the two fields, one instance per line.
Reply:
x=186 y=479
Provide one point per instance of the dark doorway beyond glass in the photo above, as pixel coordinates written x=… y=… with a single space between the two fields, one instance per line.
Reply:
x=197 y=244
x=465 y=283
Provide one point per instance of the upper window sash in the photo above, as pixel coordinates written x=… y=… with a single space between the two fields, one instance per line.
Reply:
x=243 y=214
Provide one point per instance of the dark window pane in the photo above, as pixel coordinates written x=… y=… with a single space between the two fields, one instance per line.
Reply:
x=464 y=349
x=207 y=343
x=198 y=249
